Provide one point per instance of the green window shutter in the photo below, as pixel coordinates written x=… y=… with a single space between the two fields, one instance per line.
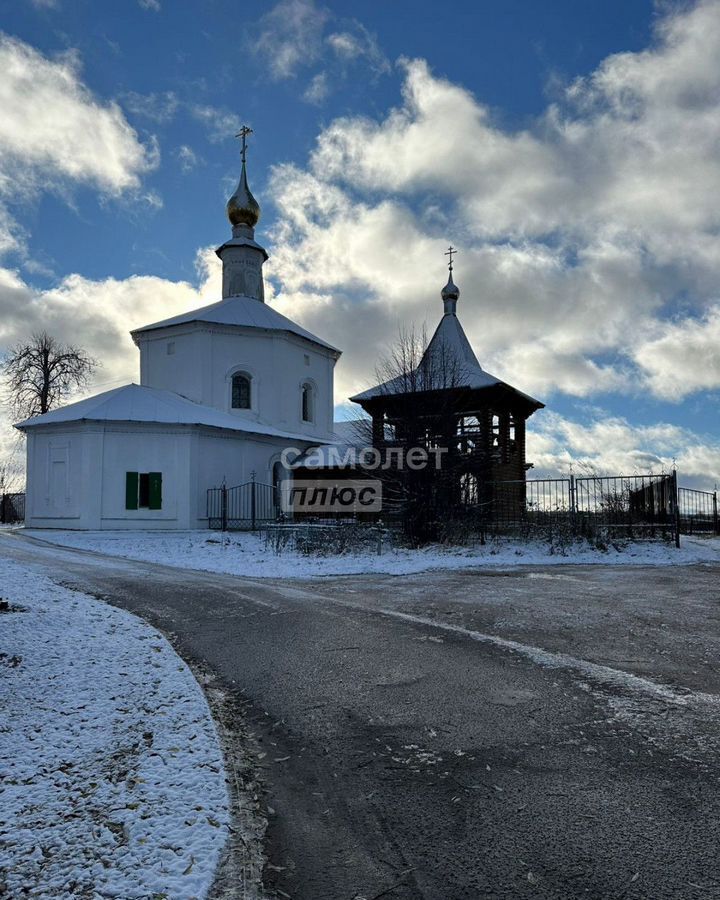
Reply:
x=131 y=490
x=155 y=480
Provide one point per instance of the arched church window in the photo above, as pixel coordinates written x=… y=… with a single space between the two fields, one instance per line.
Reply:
x=241 y=391
x=237 y=284
x=307 y=403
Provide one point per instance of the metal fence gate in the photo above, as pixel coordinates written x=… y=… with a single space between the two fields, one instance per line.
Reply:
x=244 y=507
x=698 y=511
x=637 y=505
x=633 y=505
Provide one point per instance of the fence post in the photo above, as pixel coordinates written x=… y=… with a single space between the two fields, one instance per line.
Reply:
x=573 y=505
x=3 y=503
x=252 y=499
x=223 y=507
x=716 y=524
x=676 y=507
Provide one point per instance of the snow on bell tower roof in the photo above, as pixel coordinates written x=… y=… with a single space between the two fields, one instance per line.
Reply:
x=449 y=360
x=449 y=346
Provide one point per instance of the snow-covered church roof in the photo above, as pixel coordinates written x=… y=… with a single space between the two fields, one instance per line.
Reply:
x=245 y=312
x=449 y=361
x=136 y=403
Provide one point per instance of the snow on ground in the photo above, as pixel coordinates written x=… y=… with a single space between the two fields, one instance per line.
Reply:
x=111 y=775
x=246 y=554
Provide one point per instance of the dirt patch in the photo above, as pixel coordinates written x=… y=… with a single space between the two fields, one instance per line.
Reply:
x=12 y=662
x=6 y=607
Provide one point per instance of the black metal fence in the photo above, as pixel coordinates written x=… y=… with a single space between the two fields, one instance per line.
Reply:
x=698 y=511
x=527 y=505
x=636 y=504
x=243 y=507
x=633 y=506
x=630 y=505
x=12 y=508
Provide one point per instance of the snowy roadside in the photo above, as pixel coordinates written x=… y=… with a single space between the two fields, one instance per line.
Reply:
x=246 y=554
x=111 y=774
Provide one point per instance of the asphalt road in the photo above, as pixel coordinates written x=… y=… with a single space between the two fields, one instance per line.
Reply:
x=529 y=733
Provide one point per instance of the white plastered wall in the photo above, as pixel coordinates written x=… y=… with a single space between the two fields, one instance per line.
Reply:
x=77 y=472
x=220 y=457
x=204 y=357
x=76 y=475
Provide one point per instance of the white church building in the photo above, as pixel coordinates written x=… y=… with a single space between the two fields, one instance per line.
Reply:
x=223 y=391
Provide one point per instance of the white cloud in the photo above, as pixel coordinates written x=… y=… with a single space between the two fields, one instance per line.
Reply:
x=684 y=356
x=187 y=158
x=220 y=122
x=354 y=43
x=162 y=107
x=318 y=89
x=158 y=107
x=52 y=123
x=582 y=235
x=12 y=237
x=98 y=314
x=344 y=45
x=55 y=133
x=152 y=5
x=152 y=200
x=611 y=445
x=290 y=36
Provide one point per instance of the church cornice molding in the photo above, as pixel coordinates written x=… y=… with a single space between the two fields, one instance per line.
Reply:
x=100 y=426
x=88 y=426
x=161 y=334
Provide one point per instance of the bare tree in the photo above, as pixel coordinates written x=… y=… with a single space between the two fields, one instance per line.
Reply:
x=410 y=367
x=11 y=481
x=9 y=477
x=41 y=373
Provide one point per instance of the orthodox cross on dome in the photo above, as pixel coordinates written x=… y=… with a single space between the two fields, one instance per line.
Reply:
x=451 y=251
x=242 y=134
x=450 y=292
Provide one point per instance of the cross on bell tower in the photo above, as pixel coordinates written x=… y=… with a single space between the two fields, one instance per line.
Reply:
x=450 y=292
x=451 y=251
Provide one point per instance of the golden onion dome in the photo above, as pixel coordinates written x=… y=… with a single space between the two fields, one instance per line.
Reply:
x=242 y=207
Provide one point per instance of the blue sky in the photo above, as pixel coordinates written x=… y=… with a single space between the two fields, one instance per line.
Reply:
x=568 y=149
x=201 y=53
